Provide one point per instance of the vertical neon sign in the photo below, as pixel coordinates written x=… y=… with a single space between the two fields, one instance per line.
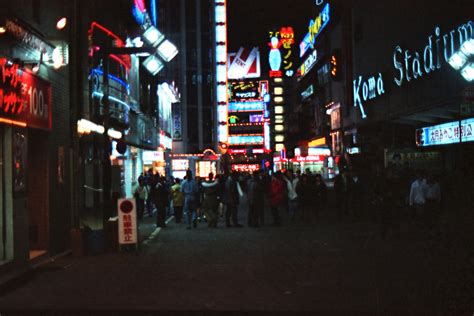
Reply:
x=221 y=69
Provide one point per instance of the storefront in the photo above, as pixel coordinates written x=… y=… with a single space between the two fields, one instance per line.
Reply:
x=25 y=129
x=314 y=161
x=200 y=164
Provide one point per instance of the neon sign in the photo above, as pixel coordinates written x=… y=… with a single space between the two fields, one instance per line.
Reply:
x=315 y=28
x=245 y=140
x=281 y=60
x=24 y=97
x=308 y=64
x=365 y=90
x=248 y=90
x=245 y=167
x=447 y=133
x=415 y=66
x=246 y=106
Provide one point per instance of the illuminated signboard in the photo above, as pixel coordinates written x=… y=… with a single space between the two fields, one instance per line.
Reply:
x=368 y=89
x=248 y=90
x=308 y=64
x=246 y=106
x=298 y=158
x=315 y=28
x=280 y=56
x=179 y=164
x=243 y=151
x=314 y=151
x=24 y=97
x=256 y=118
x=447 y=133
x=246 y=140
x=413 y=65
x=308 y=92
x=245 y=167
x=165 y=141
x=244 y=64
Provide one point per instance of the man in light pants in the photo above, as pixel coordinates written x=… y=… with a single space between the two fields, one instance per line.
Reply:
x=190 y=190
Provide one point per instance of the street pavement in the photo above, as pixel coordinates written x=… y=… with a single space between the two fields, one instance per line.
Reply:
x=322 y=268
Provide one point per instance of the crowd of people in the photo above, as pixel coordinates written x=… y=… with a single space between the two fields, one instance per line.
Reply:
x=220 y=196
x=384 y=195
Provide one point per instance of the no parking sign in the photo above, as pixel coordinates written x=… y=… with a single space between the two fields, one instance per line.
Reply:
x=127 y=221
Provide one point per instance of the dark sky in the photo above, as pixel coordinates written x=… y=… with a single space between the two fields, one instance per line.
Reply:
x=250 y=20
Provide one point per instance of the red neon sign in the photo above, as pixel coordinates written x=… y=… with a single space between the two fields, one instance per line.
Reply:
x=125 y=60
x=24 y=97
x=245 y=167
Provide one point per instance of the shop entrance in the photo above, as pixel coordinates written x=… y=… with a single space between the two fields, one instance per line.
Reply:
x=38 y=193
x=6 y=202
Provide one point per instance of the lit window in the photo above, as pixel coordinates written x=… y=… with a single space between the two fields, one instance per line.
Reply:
x=279 y=128
x=279 y=138
x=279 y=119
x=278 y=80
x=278 y=99
x=279 y=147
x=279 y=110
x=278 y=91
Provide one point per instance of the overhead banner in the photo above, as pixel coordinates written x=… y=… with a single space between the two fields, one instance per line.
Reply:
x=244 y=64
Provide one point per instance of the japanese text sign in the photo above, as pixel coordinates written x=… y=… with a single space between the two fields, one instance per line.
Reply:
x=127 y=221
x=24 y=97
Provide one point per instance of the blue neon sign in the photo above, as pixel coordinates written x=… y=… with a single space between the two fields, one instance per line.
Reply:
x=246 y=106
x=315 y=28
x=246 y=140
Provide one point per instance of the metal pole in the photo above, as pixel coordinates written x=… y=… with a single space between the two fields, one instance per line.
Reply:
x=106 y=168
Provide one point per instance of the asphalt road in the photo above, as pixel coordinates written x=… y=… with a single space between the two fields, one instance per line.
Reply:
x=324 y=268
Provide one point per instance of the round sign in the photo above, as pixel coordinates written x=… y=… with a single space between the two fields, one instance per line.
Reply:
x=126 y=207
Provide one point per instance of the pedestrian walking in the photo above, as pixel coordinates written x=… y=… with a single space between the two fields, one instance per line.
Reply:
x=231 y=200
x=277 y=194
x=210 y=203
x=256 y=200
x=320 y=195
x=291 y=184
x=160 y=199
x=178 y=200
x=141 y=196
x=417 y=199
x=305 y=192
x=190 y=190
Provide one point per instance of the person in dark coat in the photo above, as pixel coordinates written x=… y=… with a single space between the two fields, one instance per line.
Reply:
x=160 y=199
x=231 y=201
x=277 y=194
x=320 y=194
x=255 y=198
x=210 y=202
x=306 y=195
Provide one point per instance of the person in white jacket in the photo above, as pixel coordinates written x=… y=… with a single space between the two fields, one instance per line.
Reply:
x=418 y=193
x=291 y=183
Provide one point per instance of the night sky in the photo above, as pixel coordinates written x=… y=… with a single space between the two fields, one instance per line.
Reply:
x=250 y=20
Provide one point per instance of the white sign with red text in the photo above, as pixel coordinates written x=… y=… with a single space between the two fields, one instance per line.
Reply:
x=127 y=221
x=244 y=64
